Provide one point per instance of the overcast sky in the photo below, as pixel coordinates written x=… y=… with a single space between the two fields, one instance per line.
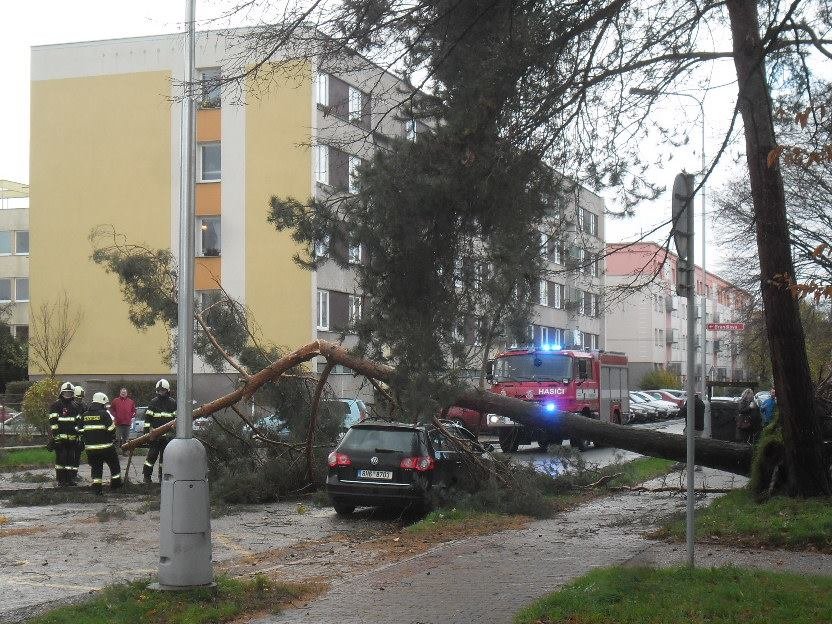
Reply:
x=35 y=22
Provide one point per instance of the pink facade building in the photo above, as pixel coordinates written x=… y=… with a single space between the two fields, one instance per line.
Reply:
x=647 y=320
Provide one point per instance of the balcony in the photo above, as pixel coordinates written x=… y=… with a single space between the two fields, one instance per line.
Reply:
x=672 y=336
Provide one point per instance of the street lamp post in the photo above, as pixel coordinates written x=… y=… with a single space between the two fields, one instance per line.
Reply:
x=703 y=306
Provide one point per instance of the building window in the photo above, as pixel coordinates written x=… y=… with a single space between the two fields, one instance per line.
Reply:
x=5 y=242
x=356 y=99
x=354 y=254
x=354 y=308
x=5 y=289
x=21 y=242
x=559 y=293
x=544 y=293
x=322 y=89
x=558 y=255
x=322 y=247
x=354 y=163
x=21 y=289
x=210 y=162
x=596 y=267
x=208 y=236
x=322 y=164
x=410 y=129
x=210 y=80
x=323 y=310
x=21 y=332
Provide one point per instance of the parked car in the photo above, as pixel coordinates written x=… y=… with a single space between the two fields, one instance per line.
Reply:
x=384 y=464
x=682 y=394
x=641 y=410
x=137 y=425
x=354 y=410
x=664 y=395
x=470 y=419
x=666 y=409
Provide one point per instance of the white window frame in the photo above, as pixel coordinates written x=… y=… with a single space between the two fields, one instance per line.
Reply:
x=322 y=89
x=15 y=233
x=206 y=74
x=594 y=305
x=202 y=147
x=198 y=229
x=11 y=286
x=410 y=129
x=16 y=297
x=544 y=293
x=544 y=335
x=558 y=255
x=354 y=254
x=355 y=311
x=559 y=288
x=544 y=243
x=352 y=166
x=322 y=164
x=355 y=104
x=322 y=247
x=322 y=321
x=11 y=242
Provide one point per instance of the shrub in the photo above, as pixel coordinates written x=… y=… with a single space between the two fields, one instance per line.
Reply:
x=37 y=400
x=660 y=378
x=18 y=388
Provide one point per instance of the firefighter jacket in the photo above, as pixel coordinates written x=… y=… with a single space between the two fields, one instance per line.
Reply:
x=97 y=428
x=161 y=411
x=64 y=421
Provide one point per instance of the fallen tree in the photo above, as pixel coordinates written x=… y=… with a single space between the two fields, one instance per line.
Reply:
x=728 y=456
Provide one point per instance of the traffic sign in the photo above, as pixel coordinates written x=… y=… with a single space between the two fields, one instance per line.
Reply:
x=726 y=327
x=682 y=200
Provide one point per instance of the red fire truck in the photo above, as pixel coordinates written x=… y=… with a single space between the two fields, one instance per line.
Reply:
x=590 y=383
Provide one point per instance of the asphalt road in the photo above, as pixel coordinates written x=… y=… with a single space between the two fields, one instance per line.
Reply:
x=553 y=460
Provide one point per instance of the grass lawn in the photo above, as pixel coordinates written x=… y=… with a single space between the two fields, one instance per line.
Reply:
x=465 y=521
x=26 y=458
x=638 y=471
x=780 y=522
x=133 y=602
x=681 y=596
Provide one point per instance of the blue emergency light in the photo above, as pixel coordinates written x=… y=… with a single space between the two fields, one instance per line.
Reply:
x=550 y=407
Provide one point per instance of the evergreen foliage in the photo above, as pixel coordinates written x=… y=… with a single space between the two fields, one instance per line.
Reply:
x=660 y=378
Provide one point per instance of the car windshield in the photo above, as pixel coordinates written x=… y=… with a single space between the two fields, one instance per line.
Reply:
x=380 y=440
x=533 y=367
x=637 y=398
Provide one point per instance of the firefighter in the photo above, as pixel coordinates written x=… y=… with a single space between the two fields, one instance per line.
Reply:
x=81 y=407
x=98 y=431
x=162 y=410
x=64 y=425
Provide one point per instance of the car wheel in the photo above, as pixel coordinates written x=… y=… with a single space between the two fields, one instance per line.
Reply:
x=544 y=445
x=343 y=510
x=509 y=442
x=581 y=445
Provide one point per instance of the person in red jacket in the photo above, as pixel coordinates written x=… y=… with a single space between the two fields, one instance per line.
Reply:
x=123 y=409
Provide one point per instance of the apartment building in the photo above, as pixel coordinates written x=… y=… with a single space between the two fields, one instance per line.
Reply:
x=647 y=320
x=569 y=310
x=14 y=257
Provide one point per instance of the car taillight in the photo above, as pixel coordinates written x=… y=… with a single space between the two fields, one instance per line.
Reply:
x=338 y=459
x=419 y=464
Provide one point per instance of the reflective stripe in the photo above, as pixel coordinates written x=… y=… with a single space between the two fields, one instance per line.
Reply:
x=55 y=414
x=53 y=426
x=110 y=428
x=115 y=477
x=98 y=447
x=64 y=437
x=67 y=418
x=149 y=413
x=58 y=467
x=71 y=468
x=93 y=427
x=96 y=481
x=148 y=464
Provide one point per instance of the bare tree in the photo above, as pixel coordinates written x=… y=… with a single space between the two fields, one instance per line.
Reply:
x=51 y=330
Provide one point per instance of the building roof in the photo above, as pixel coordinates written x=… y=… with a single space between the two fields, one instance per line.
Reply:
x=10 y=189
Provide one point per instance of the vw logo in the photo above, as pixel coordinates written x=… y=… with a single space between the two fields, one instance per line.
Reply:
x=374 y=460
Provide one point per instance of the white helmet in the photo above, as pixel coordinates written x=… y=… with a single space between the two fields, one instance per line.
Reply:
x=100 y=397
x=67 y=387
x=79 y=392
x=163 y=384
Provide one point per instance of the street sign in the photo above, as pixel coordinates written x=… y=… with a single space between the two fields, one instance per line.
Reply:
x=738 y=327
x=682 y=200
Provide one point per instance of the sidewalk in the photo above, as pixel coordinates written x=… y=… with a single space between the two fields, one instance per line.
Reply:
x=488 y=579
x=14 y=481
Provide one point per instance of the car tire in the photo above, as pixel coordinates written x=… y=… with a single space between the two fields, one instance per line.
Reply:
x=544 y=445
x=581 y=445
x=509 y=442
x=343 y=509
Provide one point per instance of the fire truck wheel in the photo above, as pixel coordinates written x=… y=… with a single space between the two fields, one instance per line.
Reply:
x=581 y=445
x=509 y=441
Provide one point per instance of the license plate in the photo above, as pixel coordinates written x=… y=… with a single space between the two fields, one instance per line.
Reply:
x=375 y=474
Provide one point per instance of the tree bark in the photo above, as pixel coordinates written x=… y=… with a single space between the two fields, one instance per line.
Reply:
x=807 y=471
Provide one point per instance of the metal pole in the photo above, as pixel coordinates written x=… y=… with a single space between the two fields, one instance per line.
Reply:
x=691 y=383
x=185 y=515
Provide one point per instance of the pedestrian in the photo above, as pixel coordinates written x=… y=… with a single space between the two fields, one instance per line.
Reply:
x=64 y=426
x=123 y=409
x=749 y=421
x=160 y=411
x=98 y=431
x=767 y=408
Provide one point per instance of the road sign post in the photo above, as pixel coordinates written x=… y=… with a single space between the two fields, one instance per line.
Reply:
x=682 y=211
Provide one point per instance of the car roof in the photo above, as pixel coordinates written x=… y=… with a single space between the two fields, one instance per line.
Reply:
x=374 y=423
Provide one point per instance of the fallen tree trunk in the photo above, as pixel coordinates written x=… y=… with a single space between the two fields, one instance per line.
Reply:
x=726 y=456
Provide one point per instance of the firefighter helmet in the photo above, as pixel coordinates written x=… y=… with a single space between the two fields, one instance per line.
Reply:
x=67 y=387
x=162 y=386
x=100 y=397
x=79 y=392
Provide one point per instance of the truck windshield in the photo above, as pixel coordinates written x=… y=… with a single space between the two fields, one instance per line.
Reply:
x=533 y=367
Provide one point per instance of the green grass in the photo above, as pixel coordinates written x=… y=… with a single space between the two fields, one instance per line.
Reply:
x=26 y=458
x=450 y=518
x=682 y=596
x=780 y=522
x=133 y=602
x=638 y=471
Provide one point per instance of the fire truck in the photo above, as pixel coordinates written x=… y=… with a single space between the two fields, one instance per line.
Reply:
x=590 y=383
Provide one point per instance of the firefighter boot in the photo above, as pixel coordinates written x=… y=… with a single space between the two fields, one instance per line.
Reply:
x=97 y=488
